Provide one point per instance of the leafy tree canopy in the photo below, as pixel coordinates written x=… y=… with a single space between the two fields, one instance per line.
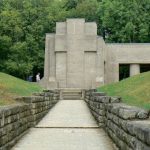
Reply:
x=23 y=24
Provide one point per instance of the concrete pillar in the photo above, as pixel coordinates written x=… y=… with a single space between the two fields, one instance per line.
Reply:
x=100 y=62
x=134 y=69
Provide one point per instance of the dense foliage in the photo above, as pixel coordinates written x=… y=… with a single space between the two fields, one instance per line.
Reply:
x=23 y=24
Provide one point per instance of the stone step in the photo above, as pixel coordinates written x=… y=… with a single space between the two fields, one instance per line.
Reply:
x=72 y=93
x=76 y=94
x=71 y=90
x=73 y=96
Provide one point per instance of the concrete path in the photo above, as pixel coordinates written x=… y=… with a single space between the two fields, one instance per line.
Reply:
x=69 y=113
x=68 y=126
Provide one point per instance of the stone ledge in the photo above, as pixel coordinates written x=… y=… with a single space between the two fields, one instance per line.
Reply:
x=127 y=112
x=15 y=120
x=128 y=126
x=140 y=129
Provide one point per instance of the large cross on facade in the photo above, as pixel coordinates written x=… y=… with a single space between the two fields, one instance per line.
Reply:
x=74 y=56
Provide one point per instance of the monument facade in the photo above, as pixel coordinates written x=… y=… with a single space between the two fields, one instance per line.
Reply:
x=75 y=57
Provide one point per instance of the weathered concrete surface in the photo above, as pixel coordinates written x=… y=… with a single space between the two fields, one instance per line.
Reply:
x=69 y=113
x=73 y=56
x=69 y=126
x=76 y=57
x=124 y=53
x=65 y=139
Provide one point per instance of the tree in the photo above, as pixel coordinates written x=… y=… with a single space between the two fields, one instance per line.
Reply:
x=125 y=21
x=23 y=24
x=5 y=43
x=19 y=61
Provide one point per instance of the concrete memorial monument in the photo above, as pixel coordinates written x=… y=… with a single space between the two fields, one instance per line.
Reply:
x=75 y=57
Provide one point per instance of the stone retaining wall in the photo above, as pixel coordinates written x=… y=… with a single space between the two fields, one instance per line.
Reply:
x=128 y=126
x=15 y=120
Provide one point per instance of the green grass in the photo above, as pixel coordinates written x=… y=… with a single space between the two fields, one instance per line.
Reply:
x=11 y=87
x=134 y=90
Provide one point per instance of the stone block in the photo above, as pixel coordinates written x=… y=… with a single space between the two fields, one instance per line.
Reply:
x=114 y=107
x=131 y=112
x=90 y=43
x=100 y=119
x=101 y=124
x=102 y=99
x=101 y=112
x=143 y=114
x=61 y=28
x=109 y=116
x=90 y=28
x=138 y=145
x=140 y=129
x=123 y=124
x=10 y=110
x=115 y=99
x=127 y=114
x=75 y=26
x=60 y=43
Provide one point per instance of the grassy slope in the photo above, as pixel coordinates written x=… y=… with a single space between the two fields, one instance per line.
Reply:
x=11 y=87
x=134 y=90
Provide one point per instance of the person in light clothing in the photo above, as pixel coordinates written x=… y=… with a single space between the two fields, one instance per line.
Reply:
x=38 y=77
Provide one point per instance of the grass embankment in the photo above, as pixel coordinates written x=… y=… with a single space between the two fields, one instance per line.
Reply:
x=11 y=87
x=134 y=90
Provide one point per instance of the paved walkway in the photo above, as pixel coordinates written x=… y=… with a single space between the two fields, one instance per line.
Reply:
x=68 y=126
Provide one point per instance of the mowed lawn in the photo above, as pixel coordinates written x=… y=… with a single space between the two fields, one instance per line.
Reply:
x=11 y=87
x=134 y=90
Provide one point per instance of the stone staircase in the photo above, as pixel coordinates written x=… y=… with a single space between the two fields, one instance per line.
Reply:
x=71 y=94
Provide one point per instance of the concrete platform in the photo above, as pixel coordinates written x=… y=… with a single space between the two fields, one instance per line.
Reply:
x=69 y=113
x=68 y=126
x=65 y=139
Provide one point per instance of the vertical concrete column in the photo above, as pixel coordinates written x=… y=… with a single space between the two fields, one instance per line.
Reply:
x=52 y=70
x=100 y=62
x=46 y=63
x=75 y=53
x=134 y=69
x=51 y=62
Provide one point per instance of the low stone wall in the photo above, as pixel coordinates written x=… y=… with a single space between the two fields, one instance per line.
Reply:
x=15 y=120
x=128 y=126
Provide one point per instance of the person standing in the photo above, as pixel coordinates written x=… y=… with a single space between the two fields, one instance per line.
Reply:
x=38 y=77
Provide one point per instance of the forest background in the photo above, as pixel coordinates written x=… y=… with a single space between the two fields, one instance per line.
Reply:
x=23 y=24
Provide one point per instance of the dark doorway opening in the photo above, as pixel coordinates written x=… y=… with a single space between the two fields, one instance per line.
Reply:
x=144 y=67
x=124 y=71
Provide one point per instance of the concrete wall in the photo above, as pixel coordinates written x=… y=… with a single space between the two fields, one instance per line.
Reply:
x=15 y=120
x=128 y=126
x=124 y=54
